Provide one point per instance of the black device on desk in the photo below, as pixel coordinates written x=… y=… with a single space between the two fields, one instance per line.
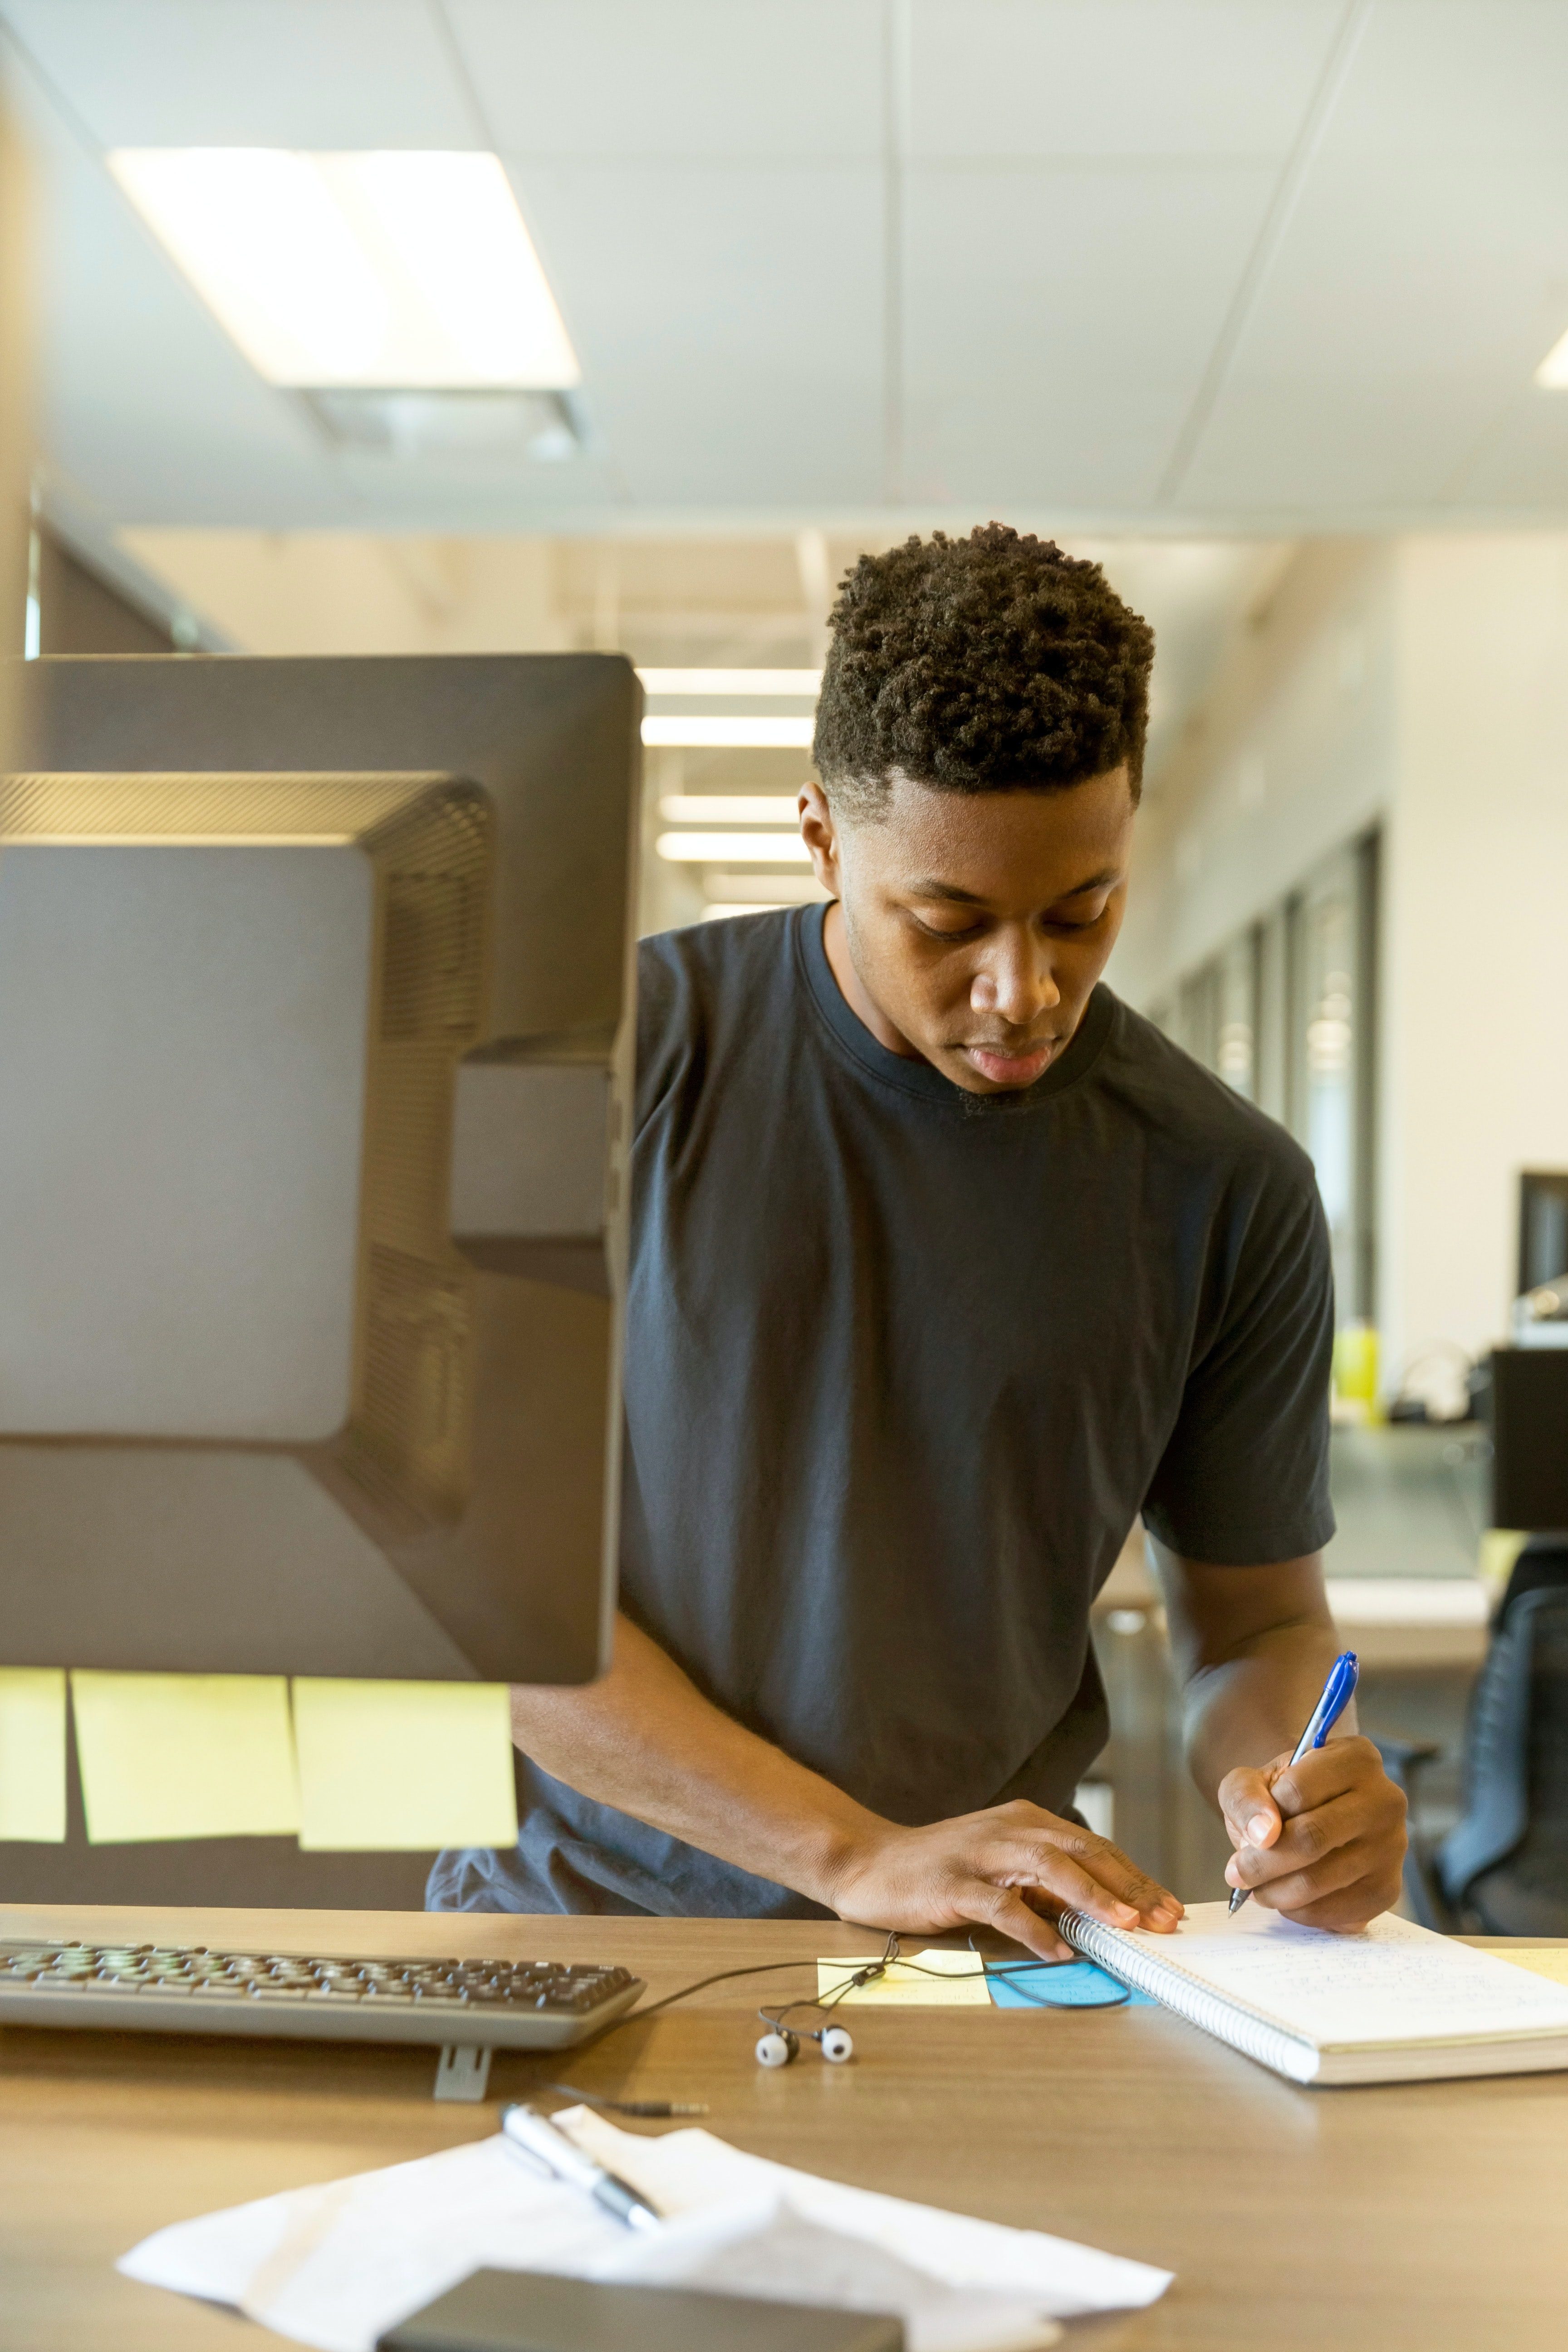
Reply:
x=515 y=2311
x=1529 y=1416
x=314 y=1082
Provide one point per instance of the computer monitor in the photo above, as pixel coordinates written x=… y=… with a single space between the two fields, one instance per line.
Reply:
x=314 y=1068
x=1527 y=1408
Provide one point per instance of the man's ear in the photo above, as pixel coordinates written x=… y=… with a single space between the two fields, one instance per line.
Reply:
x=819 y=831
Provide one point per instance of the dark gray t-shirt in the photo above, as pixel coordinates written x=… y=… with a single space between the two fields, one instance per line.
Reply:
x=902 y=1364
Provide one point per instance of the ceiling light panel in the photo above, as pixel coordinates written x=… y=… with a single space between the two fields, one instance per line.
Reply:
x=734 y=849
x=737 y=734
x=729 y=808
x=805 y=682
x=403 y=270
x=1553 y=373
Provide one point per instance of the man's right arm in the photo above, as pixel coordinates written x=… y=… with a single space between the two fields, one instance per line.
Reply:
x=644 y=1739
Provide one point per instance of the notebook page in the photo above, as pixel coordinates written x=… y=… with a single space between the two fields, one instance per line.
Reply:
x=1395 y=1982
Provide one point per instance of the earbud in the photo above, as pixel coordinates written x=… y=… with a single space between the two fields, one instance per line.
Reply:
x=780 y=2046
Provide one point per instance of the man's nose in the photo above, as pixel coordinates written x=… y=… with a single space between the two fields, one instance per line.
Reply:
x=1016 y=982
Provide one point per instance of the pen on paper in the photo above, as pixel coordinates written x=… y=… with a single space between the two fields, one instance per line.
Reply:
x=1337 y=1692
x=534 y=2135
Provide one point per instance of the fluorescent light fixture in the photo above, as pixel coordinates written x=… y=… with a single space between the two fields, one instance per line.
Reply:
x=736 y=848
x=721 y=912
x=1552 y=373
x=738 y=734
x=776 y=890
x=407 y=271
x=729 y=808
x=733 y=681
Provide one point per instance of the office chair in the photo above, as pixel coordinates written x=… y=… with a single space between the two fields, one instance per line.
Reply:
x=1502 y=1870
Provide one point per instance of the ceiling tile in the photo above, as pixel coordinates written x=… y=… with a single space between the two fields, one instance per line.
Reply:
x=236 y=73
x=687 y=79
x=1459 y=79
x=1406 y=307
x=992 y=79
x=728 y=321
x=148 y=409
x=1059 y=321
x=1520 y=460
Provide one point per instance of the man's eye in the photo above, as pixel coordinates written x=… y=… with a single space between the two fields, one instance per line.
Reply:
x=947 y=931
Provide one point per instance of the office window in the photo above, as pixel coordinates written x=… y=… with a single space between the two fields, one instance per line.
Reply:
x=1330 y=961
x=1284 y=1013
x=1197 y=1016
x=1272 y=1048
x=1236 y=993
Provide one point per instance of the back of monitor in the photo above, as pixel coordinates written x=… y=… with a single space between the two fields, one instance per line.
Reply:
x=313 y=1201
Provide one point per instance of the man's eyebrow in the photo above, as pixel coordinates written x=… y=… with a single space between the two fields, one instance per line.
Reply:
x=951 y=892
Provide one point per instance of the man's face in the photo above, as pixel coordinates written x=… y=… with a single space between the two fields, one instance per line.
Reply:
x=975 y=925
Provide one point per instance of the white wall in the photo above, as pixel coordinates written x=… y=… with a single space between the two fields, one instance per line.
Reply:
x=1475 y=1073
x=1291 y=755
x=357 y=591
x=1422 y=683
x=15 y=402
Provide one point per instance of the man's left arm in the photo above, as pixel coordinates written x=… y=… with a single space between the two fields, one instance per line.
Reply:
x=1323 y=1840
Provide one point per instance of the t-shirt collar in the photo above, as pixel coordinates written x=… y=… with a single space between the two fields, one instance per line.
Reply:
x=919 y=1078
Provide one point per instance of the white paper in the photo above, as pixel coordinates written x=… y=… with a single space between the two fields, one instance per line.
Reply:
x=1392 y=1982
x=335 y=2266
x=767 y=2248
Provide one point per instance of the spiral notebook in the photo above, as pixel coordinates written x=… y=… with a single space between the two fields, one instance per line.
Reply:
x=1391 y=2004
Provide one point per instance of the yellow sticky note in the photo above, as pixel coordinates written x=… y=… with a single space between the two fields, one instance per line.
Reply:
x=33 y=1754
x=924 y=1980
x=185 y=1756
x=1541 y=1959
x=401 y=1768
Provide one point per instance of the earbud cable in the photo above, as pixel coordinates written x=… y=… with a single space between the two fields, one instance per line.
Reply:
x=891 y=1956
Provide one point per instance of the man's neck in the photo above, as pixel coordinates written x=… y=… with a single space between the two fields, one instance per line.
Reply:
x=841 y=963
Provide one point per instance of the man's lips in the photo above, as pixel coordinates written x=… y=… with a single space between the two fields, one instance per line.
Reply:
x=1010 y=1065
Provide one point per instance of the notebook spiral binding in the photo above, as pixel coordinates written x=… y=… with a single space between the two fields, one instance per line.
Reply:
x=1227 y=2021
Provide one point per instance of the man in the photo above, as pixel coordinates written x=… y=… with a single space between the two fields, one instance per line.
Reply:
x=946 y=1264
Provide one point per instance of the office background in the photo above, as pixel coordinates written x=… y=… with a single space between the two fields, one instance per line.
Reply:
x=1255 y=300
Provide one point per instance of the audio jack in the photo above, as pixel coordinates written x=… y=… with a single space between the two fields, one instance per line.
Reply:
x=661 y=2110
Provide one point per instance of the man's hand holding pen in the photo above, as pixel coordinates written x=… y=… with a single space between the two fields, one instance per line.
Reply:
x=1321 y=1839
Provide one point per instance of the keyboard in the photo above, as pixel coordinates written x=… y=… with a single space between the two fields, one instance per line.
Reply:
x=186 y=1988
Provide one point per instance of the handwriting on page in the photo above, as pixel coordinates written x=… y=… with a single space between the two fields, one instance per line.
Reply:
x=1388 y=1984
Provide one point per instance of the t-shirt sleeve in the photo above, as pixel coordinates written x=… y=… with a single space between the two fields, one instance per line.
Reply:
x=1244 y=1479
x=661 y=1024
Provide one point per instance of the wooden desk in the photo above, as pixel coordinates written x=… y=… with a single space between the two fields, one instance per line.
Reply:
x=1418 y=2218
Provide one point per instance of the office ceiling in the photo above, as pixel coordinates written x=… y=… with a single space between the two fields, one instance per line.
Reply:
x=1132 y=266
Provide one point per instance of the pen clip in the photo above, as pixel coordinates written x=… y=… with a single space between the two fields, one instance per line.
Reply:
x=530 y=2157
x=1337 y=1692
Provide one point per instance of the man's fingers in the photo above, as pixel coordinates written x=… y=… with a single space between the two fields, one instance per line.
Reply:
x=1309 y=1895
x=1303 y=1841
x=1096 y=1861
x=1040 y=1863
x=1004 y=1908
x=1284 y=1886
x=1247 y=1804
x=1351 y=1906
x=1339 y=1768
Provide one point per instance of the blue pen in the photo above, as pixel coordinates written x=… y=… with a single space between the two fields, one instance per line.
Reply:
x=1338 y=1693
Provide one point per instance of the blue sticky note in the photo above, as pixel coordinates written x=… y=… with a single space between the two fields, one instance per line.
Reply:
x=1076 y=1984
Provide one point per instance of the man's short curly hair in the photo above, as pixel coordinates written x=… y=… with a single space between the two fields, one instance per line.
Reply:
x=980 y=665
